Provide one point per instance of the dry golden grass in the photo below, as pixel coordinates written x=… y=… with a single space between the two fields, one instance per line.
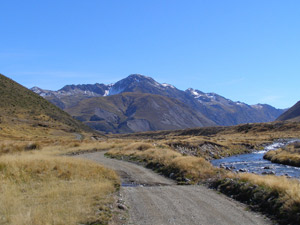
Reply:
x=41 y=186
x=14 y=147
x=194 y=168
x=289 y=155
x=39 y=189
x=288 y=188
x=19 y=130
x=74 y=146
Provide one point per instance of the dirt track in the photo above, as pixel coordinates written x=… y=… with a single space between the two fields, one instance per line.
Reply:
x=156 y=200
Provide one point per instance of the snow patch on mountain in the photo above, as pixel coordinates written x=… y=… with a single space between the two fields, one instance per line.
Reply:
x=114 y=90
x=167 y=85
x=240 y=103
x=195 y=93
x=106 y=93
x=257 y=106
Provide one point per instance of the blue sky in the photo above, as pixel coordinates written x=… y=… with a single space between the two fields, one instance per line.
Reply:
x=245 y=50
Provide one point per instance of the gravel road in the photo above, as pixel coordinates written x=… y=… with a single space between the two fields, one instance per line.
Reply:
x=156 y=200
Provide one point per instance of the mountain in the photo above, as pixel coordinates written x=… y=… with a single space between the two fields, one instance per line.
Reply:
x=21 y=110
x=293 y=114
x=227 y=113
x=210 y=106
x=70 y=95
x=136 y=112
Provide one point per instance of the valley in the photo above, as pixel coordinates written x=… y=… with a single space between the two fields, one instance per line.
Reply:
x=149 y=112
x=49 y=160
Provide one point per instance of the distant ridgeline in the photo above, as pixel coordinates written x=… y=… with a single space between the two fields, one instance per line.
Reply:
x=139 y=103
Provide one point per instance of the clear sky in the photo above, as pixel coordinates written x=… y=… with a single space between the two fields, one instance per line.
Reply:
x=244 y=50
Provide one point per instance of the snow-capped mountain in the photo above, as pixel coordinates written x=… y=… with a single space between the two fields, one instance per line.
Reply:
x=224 y=111
x=212 y=107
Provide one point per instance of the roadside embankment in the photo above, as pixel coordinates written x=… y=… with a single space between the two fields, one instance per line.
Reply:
x=277 y=197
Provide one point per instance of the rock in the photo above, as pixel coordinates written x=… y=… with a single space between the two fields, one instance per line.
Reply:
x=186 y=180
x=287 y=176
x=243 y=170
x=267 y=168
x=121 y=206
x=171 y=175
x=223 y=166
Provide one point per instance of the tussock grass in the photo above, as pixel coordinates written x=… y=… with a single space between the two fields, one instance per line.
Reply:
x=12 y=147
x=278 y=197
x=164 y=159
x=194 y=168
x=289 y=155
x=39 y=189
x=288 y=188
x=78 y=147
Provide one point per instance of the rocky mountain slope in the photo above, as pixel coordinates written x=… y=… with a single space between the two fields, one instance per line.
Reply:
x=293 y=114
x=227 y=113
x=211 y=107
x=136 y=112
x=21 y=110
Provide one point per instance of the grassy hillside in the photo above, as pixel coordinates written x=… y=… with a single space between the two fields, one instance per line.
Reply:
x=40 y=186
x=24 y=113
x=136 y=112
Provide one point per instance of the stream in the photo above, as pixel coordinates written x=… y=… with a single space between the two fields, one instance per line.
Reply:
x=254 y=162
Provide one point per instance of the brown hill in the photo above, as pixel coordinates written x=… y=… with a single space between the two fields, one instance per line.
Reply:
x=293 y=114
x=24 y=113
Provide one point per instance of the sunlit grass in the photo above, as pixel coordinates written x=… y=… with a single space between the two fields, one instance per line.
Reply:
x=39 y=189
x=193 y=168
x=289 y=155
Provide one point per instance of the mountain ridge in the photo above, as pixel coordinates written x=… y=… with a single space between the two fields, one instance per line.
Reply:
x=215 y=108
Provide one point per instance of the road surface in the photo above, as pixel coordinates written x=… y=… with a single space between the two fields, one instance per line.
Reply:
x=155 y=200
